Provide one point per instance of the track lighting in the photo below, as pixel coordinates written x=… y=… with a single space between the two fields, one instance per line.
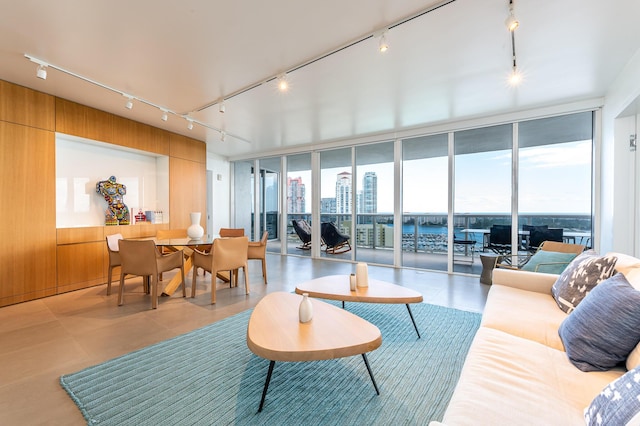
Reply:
x=190 y=124
x=283 y=84
x=222 y=135
x=165 y=115
x=515 y=78
x=383 y=44
x=42 y=72
x=222 y=107
x=511 y=22
x=129 y=104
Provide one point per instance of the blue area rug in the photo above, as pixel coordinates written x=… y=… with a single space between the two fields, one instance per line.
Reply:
x=209 y=377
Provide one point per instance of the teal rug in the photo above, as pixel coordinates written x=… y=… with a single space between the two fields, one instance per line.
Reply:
x=209 y=377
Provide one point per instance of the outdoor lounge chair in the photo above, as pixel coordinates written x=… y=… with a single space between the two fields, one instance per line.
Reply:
x=336 y=242
x=303 y=230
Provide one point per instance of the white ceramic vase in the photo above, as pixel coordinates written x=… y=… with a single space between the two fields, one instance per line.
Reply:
x=195 y=231
x=306 y=309
x=362 y=275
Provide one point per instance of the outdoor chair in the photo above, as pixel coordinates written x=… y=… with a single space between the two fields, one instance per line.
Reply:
x=227 y=254
x=303 y=230
x=336 y=242
x=142 y=258
x=466 y=245
x=539 y=235
x=500 y=240
x=551 y=257
x=525 y=236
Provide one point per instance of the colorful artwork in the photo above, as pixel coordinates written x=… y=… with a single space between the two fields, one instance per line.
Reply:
x=117 y=212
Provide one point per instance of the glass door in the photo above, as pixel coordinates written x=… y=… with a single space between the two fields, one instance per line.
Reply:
x=298 y=192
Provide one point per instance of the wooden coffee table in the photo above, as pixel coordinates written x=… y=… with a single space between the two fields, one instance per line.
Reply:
x=336 y=287
x=275 y=333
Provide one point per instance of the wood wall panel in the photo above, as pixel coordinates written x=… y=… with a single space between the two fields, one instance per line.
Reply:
x=80 y=265
x=83 y=121
x=24 y=106
x=187 y=148
x=27 y=203
x=187 y=191
x=136 y=135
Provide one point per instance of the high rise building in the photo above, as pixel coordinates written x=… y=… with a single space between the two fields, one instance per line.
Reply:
x=343 y=193
x=369 y=193
x=295 y=195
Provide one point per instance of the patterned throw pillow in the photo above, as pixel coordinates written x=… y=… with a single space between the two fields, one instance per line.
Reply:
x=618 y=403
x=580 y=277
x=604 y=328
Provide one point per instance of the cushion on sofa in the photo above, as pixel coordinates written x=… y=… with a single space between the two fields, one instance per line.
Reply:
x=550 y=262
x=618 y=403
x=605 y=327
x=580 y=277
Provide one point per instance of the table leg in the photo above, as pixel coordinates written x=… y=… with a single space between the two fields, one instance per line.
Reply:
x=173 y=285
x=366 y=362
x=266 y=384
x=413 y=320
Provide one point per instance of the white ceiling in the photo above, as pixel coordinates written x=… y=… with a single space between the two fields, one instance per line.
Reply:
x=446 y=65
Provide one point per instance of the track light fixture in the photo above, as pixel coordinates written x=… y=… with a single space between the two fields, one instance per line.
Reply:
x=222 y=108
x=42 y=72
x=222 y=135
x=283 y=84
x=515 y=78
x=129 y=104
x=189 y=123
x=165 y=115
x=511 y=22
x=383 y=43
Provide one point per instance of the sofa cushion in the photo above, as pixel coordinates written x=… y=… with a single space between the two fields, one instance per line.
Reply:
x=605 y=327
x=508 y=380
x=532 y=315
x=550 y=262
x=618 y=403
x=580 y=277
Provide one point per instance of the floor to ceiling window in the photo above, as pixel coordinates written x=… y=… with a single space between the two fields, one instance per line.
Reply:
x=424 y=202
x=269 y=218
x=554 y=183
x=337 y=192
x=482 y=193
x=298 y=192
x=374 y=203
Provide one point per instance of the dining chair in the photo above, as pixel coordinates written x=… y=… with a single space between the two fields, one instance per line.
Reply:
x=140 y=257
x=258 y=251
x=231 y=232
x=227 y=254
x=114 y=257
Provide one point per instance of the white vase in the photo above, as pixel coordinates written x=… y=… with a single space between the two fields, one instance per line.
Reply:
x=362 y=275
x=305 y=311
x=195 y=231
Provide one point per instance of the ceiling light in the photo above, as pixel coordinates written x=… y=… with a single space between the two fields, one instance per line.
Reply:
x=190 y=125
x=222 y=107
x=511 y=22
x=42 y=72
x=129 y=104
x=515 y=78
x=165 y=115
x=222 y=135
x=283 y=84
x=383 y=44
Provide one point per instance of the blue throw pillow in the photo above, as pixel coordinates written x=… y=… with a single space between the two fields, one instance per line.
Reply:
x=618 y=403
x=605 y=327
x=551 y=262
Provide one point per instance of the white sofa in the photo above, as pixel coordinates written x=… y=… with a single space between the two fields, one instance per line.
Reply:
x=516 y=371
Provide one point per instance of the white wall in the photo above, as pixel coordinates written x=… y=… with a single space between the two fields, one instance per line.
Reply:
x=618 y=200
x=221 y=192
x=81 y=164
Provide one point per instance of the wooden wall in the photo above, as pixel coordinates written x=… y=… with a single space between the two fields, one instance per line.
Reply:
x=39 y=260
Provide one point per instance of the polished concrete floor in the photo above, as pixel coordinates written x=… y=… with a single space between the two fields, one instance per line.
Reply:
x=46 y=338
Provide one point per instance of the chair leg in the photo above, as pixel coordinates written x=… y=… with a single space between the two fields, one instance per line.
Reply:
x=213 y=286
x=193 y=283
x=109 y=280
x=264 y=269
x=246 y=278
x=184 y=283
x=154 y=292
x=121 y=291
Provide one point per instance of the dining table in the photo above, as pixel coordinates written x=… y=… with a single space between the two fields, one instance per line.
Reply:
x=202 y=244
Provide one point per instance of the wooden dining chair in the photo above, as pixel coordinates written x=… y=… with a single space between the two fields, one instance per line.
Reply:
x=231 y=232
x=114 y=257
x=227 y=254
x=258 y=251
x=140 y=257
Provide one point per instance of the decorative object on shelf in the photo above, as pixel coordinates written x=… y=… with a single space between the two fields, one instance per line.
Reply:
x=305 y=311
x=141 y=217
x=117 y=212
x=195 y=231
x=362 y=275
x=352 y=282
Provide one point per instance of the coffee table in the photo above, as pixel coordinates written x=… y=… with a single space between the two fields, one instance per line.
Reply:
x=275 y=333
x=336 y=287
